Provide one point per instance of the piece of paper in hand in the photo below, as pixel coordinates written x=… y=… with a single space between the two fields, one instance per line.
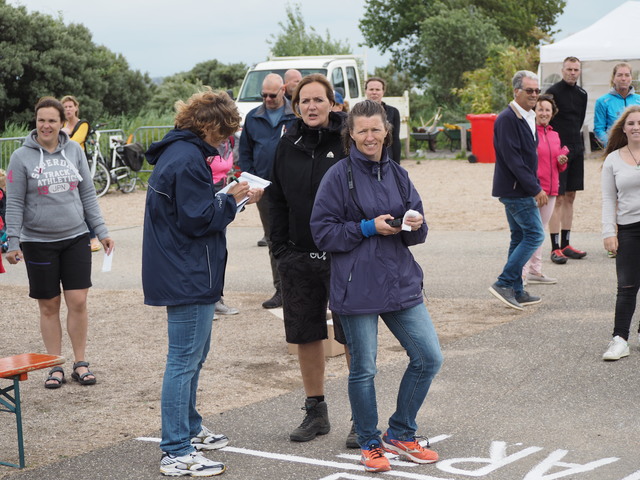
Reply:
x=106 y=262
x=254 y=182
x=408 y=214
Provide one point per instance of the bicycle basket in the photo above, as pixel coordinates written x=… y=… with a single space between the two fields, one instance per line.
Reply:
x=132 y=156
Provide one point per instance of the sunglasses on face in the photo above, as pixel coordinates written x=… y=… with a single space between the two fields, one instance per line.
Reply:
x=531 y=91
x=270 y=95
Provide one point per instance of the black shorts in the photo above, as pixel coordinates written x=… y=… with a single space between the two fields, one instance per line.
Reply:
x=304 y=278
x=49 y=263
x=572 y=179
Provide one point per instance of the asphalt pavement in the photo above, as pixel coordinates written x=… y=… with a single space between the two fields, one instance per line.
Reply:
x=530 y=399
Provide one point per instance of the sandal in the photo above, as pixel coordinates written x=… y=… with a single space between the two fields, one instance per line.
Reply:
x=82 y=378
x=59 y=381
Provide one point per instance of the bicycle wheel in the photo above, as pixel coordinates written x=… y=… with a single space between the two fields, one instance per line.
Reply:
x=128 y=184
x=101 y=180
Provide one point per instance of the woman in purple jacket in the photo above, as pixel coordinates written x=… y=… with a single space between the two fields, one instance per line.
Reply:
x=373 y=274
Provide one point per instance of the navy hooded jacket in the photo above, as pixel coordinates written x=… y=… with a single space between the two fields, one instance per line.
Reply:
x=184 y=245
x=374 y=274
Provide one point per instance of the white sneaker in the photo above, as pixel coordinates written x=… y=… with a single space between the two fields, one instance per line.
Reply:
x=223 y=309
x=618 y=348
x=541 y=279
x=193 y=464
x=207 y=440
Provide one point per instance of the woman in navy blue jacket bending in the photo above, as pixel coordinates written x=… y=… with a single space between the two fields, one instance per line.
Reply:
x=183 y=261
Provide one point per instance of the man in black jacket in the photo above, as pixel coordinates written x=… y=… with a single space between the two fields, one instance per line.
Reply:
x=572 y=108
x=374 y=90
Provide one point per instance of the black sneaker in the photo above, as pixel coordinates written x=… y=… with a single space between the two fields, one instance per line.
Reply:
x=525 y=299
x=505 y=295
x=273 y=302
x=558 y=257
x=316 y=421
x=574 y=253
x=352 y=438
x=263 y=242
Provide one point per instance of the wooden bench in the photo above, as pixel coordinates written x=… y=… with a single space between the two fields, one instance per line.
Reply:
x=16 y=368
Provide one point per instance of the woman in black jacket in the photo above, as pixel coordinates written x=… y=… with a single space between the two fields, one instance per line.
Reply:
x=305 y=153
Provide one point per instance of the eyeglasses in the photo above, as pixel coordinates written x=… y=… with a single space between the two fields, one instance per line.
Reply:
x=270 y=95
x=531 y=91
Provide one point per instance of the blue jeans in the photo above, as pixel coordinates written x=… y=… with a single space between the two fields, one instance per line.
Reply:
x=527 y=234
x=189 y=331
x=414 y=330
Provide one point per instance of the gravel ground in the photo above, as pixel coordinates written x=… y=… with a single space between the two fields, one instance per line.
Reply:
x=248 y=361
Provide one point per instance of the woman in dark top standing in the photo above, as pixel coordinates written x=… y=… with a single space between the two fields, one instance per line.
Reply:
x=305 y=153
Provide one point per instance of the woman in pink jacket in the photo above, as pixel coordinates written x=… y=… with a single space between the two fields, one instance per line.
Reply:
x=552 y=159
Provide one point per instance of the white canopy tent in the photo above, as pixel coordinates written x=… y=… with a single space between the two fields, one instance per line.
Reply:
x=610 y=40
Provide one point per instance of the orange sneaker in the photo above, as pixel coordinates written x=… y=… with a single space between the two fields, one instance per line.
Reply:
x=373 y=459
x=409 y=449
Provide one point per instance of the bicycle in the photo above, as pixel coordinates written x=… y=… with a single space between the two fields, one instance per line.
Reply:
x=121 y=170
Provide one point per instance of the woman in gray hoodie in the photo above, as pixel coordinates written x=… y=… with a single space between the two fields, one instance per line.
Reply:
x=49 y=194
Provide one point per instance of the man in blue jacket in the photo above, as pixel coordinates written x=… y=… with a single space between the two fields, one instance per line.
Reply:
x=516 y=184
x=263 y=128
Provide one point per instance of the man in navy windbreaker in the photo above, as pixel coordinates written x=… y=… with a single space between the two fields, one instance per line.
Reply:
x=263 y=128
x=516 y=184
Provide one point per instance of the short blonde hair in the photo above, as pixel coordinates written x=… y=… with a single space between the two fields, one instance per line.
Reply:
x=617 y=67
x=208 y=112
x=71 y=98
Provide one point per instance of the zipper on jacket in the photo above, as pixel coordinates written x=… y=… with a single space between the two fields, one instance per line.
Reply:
x=208 y=265
x=546 y=139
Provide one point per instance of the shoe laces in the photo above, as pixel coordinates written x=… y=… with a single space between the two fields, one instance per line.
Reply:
x=310 y=415
x=417 y=443
x=375 y=451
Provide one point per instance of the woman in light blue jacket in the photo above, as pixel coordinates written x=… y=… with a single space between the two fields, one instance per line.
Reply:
x=610 y=106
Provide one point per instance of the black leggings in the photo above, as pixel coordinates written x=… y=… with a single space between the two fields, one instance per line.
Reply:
x=628 y=271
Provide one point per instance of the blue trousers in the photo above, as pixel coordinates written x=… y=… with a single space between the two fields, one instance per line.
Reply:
x=415 y=332
x=189 y=329
x=527 y=234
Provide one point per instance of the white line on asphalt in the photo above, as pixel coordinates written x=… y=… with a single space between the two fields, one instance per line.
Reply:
x=312 y=461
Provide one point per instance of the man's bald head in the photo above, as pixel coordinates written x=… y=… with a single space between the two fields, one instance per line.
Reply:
x=292 y=78
x=273 y=91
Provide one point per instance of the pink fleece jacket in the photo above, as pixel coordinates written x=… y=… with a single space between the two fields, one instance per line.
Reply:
x=549 y=148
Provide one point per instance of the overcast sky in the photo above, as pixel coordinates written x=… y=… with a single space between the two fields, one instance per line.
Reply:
x=168 y=36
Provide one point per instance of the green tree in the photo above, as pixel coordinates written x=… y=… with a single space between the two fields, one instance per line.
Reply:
x=397 y=26
x=456 y=41
x=41 y=56
x=397 y=81
x=298 y=39
x=217 y=75
x=181 y=86
x=174 y=88
x=489 y=89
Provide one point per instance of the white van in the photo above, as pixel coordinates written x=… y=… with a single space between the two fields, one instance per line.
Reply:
x=341 y=70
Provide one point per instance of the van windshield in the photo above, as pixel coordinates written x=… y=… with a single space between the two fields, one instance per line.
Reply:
x=252 y=87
